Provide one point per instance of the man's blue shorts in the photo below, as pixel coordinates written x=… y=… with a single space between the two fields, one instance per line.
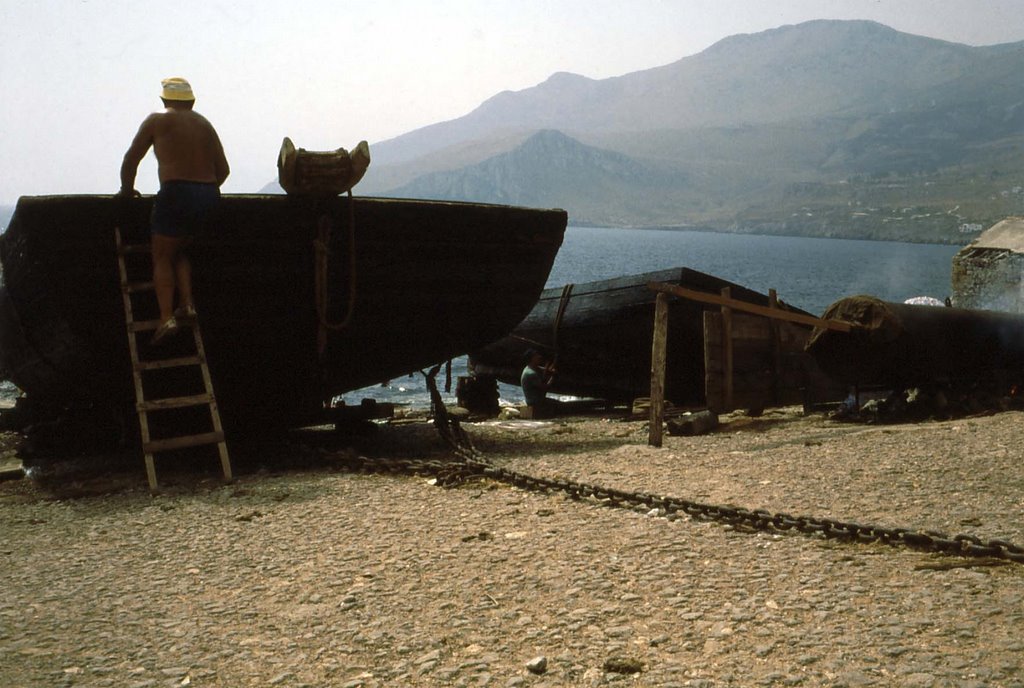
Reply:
x=181 y=208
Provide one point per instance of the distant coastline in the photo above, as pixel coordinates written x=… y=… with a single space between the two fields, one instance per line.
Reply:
x=903 y=235
x=831 y=233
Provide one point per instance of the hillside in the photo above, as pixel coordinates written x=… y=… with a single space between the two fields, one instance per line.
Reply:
x=831 y=128
x=549 y=168
x=793 y=72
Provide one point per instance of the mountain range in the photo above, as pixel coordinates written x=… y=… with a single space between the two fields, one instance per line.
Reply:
x=826 y=128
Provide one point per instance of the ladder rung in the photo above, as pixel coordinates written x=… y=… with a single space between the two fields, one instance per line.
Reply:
x=144 y=325
x=175 y=402
x=125 y=249
x=135 y=287
x=182 y=442
x=169 y=363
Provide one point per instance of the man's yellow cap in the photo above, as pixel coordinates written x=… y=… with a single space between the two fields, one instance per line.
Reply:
x=176 y=88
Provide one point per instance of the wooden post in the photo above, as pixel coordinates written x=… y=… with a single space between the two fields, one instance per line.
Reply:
x=659 y=348
x=773 y=303
x=727 y=351
x=712 y=360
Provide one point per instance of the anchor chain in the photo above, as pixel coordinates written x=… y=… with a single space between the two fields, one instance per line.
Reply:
x=472 y=464
x=763 y=520
x=453 y=473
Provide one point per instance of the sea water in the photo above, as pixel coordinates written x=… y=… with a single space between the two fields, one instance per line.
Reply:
x=806 y=273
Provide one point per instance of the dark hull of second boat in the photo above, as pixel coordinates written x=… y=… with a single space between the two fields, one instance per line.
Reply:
x=602 y=342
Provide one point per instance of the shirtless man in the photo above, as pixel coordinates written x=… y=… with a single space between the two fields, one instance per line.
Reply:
x=192 y=166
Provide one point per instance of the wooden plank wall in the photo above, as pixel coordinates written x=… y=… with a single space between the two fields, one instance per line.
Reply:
x=768 y=364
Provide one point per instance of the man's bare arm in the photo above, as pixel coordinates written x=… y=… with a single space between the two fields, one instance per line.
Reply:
x=136 y=151
x=221 y=168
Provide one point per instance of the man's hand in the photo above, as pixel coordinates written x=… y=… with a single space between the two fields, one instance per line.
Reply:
x=127 y=193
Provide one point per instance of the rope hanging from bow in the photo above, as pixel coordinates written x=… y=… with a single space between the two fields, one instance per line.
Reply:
x=321 y=252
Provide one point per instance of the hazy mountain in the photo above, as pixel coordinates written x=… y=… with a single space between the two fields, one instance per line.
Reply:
x=549 y=168
x=816 y=68
x=839 y=128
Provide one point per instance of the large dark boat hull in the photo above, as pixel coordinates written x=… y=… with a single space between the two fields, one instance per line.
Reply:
x=602 y=341
x=410 y=282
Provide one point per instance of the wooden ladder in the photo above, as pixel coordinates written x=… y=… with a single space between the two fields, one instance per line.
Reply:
x=143 y=406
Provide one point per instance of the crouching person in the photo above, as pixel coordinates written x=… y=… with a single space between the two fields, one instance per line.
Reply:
x=535 y=381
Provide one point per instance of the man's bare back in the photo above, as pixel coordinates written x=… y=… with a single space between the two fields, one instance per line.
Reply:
x=186 y=145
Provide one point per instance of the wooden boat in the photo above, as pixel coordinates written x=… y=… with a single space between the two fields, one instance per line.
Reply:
x=401 y=285
x=600 y=334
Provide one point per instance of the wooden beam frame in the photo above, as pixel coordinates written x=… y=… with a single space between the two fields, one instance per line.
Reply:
x=776 y=313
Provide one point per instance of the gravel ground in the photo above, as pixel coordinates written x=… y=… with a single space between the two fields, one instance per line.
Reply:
x=315 y=576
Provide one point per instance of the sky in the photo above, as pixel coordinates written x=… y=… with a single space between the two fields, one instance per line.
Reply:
x=78 y=76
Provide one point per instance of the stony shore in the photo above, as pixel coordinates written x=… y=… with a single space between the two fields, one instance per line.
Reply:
x=303 y=573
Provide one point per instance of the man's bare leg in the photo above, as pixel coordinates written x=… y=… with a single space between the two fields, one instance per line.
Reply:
x=165 y=254
x=183 y=276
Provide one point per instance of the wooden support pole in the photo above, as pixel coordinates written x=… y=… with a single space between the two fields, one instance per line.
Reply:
x=659 y=349
x=773 y=303
x=727 y=381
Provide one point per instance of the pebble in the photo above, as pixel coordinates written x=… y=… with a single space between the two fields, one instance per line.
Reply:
x=623 y=665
